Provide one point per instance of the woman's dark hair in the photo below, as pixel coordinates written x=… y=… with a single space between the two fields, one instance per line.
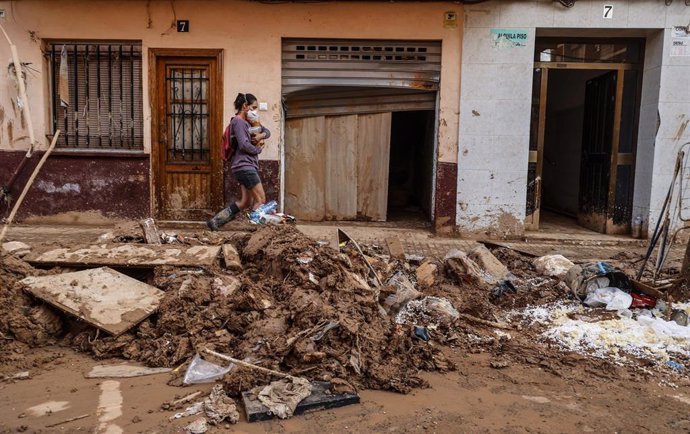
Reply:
x=244 y=98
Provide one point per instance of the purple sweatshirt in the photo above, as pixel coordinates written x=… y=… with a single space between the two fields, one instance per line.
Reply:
x=246 y=156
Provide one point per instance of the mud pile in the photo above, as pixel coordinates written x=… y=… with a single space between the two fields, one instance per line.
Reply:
x=296 y=307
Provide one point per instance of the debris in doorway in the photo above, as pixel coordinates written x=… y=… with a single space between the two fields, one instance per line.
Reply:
x=553 y=265
x=16 y=248
x=151 y=235
x=123 y=371
x=127 y=255
x=395 y=248
x=103 y=297
x=323 y=396
x=201 y=371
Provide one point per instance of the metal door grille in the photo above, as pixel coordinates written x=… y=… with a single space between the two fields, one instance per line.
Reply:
x=187 y=113
x=367 y=63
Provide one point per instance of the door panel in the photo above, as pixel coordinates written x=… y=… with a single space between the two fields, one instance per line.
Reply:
x=536 y=148
x=336 y=167
x=189 y=183
x=373 y=156
x=597 y=143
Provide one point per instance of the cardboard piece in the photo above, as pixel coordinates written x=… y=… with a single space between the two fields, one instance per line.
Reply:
x=127 y=255
x=320 y=399
x=102 y=297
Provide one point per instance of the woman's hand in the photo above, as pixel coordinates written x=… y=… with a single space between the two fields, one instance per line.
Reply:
x=256 y=138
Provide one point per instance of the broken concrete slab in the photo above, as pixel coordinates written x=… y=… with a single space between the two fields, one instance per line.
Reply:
x=488 y=262
x=395 y=248
x=231 y=257
x=151 y=235
x=126 y=255
x=16 y=248
x=123 y=371
x=109 y=300
x=321 y=398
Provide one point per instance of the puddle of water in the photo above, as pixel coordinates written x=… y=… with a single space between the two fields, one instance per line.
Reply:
x=109 y=407
x=47 y=408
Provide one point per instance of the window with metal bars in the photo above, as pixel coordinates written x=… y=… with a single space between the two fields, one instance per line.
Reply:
x=96 y=92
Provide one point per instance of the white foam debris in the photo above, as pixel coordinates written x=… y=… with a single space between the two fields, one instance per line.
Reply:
x=642 y=336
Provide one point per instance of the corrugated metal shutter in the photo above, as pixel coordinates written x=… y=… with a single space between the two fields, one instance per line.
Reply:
x=334 y=101
x=367 y=63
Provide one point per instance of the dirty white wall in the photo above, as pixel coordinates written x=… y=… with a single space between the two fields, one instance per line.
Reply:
x=249 y=32
x=496 y=99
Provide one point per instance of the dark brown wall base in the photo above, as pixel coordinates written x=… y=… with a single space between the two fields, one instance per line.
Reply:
x=446 y=197
x=117 y=187
x=269 y=171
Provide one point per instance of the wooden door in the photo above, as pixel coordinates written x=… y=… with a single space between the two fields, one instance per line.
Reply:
x=336 y=167
x=186 y=130
x=597 y=143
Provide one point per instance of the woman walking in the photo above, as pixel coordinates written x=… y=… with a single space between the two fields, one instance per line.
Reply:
x=242 y=148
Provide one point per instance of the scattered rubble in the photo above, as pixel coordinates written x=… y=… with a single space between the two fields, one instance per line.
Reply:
x=553 y=265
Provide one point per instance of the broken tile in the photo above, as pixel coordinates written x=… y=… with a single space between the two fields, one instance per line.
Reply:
x=102 y=297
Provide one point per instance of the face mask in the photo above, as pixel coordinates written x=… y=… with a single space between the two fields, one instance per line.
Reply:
x=253 y=116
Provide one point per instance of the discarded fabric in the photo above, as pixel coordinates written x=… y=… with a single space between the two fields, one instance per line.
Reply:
x=282 y=396
x=553 y=265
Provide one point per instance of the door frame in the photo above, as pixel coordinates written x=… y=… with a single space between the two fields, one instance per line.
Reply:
x=532 y=220
x=217 y=164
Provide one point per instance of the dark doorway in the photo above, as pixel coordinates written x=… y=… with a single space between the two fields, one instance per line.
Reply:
x=565 y=113
x=411 y=166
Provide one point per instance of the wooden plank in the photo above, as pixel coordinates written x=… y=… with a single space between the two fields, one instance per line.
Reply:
x=341 y=167
x=305 y=169
x=127 y=255
x=373 y=158
x=102 y=297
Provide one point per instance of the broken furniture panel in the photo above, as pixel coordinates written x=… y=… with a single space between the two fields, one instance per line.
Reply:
x=102 y=297
x=321 y=398
x=127 y=255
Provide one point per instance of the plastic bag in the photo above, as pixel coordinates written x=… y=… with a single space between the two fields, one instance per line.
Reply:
x=405 y=291
x=200 y=371
x=611 y=298
x=553 y=265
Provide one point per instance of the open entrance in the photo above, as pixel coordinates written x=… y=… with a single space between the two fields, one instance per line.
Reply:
x=411 y=166
x=359 y=131
x=583 y=138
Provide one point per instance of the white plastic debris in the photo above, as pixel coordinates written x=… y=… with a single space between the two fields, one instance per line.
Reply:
x=553 y=265
x=200 y=371
x=611 y=298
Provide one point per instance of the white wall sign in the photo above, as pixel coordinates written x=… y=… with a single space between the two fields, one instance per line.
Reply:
x=680 y=42
x=608 y=12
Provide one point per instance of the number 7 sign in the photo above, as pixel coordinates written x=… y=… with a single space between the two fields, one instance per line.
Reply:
x=608 y=12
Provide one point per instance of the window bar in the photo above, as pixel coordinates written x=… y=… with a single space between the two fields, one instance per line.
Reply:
x=201 y=114
x=75 y=111
x=170 y=112
x=110 y=96
x=131 y=91
x=87 y=107
x=65 y=113
x=194 y=115
x=98 y=94
x=55 y=91
x=121 y=100
x=183 y=116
